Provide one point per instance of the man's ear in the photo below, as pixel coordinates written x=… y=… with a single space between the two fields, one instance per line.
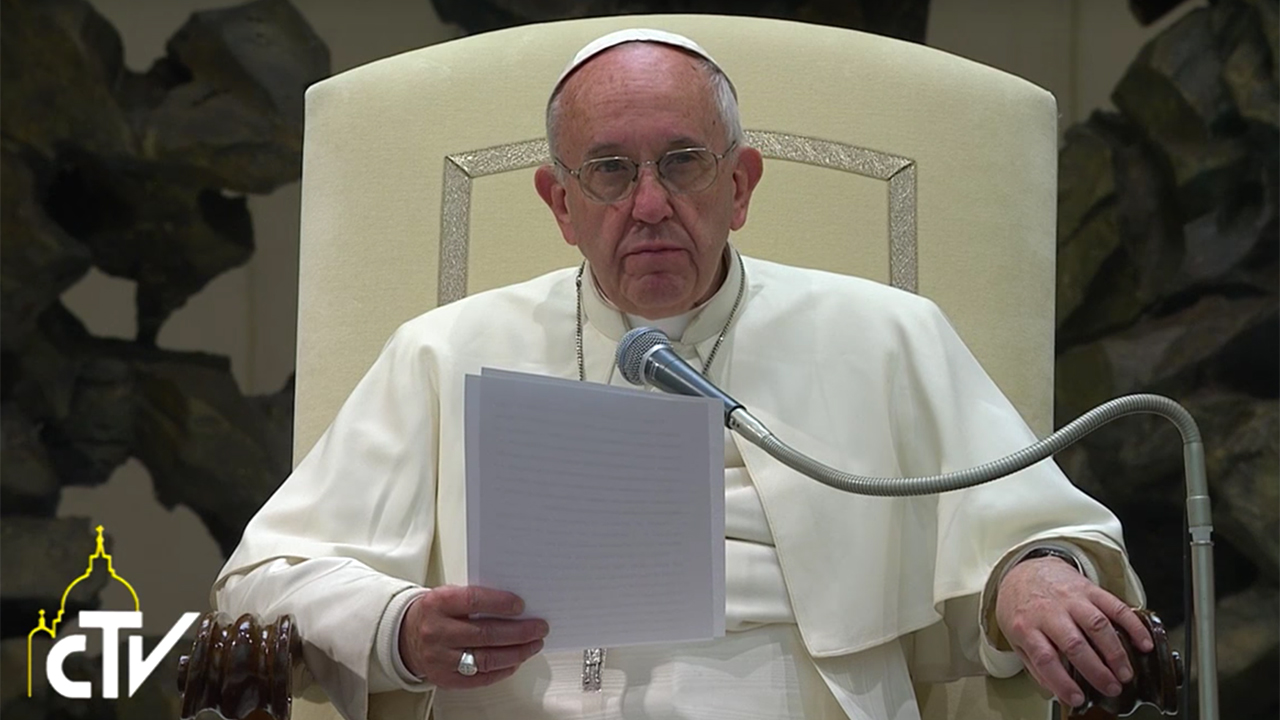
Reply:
x=553 y=193
x=746 y=175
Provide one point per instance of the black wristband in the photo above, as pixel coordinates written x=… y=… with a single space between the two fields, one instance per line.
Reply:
x=1063 y=555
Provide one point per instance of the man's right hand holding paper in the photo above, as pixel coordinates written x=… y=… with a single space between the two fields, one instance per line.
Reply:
x=438 y=627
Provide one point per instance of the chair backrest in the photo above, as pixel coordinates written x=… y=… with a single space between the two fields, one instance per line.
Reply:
x=884 y=159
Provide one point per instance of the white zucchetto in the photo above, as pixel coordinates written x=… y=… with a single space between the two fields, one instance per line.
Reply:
x=618 y=37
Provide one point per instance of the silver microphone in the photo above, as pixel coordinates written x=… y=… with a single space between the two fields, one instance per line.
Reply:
x=645 y=356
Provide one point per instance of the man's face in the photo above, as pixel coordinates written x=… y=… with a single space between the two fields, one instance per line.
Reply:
x=654 y=254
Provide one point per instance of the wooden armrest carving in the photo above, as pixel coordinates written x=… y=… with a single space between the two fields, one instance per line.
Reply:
x=242 y=670
x=1157 y=675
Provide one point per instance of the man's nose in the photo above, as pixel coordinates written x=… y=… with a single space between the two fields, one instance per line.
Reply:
x=651 y=201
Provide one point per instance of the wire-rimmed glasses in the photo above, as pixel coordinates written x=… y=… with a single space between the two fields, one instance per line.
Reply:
x=685 y=170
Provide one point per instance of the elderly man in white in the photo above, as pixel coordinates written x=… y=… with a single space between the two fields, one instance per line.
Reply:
x=827 y=593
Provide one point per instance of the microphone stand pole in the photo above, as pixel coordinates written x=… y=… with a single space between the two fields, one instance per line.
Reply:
x=1199 y=514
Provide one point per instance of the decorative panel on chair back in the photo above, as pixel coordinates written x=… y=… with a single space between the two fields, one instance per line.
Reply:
x=884 y=159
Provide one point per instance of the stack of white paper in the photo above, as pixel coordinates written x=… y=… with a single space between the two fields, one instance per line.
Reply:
x=602 y=507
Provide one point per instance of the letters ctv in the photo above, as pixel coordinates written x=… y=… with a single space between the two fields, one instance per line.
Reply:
x=111 y=624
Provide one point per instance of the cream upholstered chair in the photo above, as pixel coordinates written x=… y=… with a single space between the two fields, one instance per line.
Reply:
x=885 y=159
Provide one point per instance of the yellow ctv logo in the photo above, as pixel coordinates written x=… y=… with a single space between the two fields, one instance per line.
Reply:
x=109 y=623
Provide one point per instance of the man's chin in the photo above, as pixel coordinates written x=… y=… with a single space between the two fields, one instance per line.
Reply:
x=659 y=296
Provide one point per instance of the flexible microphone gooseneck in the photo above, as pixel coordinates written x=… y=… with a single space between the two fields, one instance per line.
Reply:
x=645 y=356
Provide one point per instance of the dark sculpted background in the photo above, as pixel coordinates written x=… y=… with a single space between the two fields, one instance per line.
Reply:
x=1167 y=282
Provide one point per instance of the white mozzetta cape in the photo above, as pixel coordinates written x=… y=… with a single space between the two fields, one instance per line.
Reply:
x=863 y=377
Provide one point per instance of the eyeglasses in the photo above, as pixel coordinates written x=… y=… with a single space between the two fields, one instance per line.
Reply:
x=613 y=179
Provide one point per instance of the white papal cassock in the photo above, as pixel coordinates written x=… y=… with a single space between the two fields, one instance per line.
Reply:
x=834 y=601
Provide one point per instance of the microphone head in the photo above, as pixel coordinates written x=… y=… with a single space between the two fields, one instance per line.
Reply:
x=632 y=349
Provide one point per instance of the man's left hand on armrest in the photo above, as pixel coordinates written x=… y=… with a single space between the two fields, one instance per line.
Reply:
x=1049 y=612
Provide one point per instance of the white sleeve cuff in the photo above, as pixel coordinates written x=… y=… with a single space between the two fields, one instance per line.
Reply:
x=392 y=674
x=998 y=663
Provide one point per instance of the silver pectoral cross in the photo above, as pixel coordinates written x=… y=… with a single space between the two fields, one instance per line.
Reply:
x=592 y=664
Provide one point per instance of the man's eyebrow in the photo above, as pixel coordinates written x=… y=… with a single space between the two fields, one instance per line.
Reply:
x=607 y=149
x=684 y=141
x=602 y=149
